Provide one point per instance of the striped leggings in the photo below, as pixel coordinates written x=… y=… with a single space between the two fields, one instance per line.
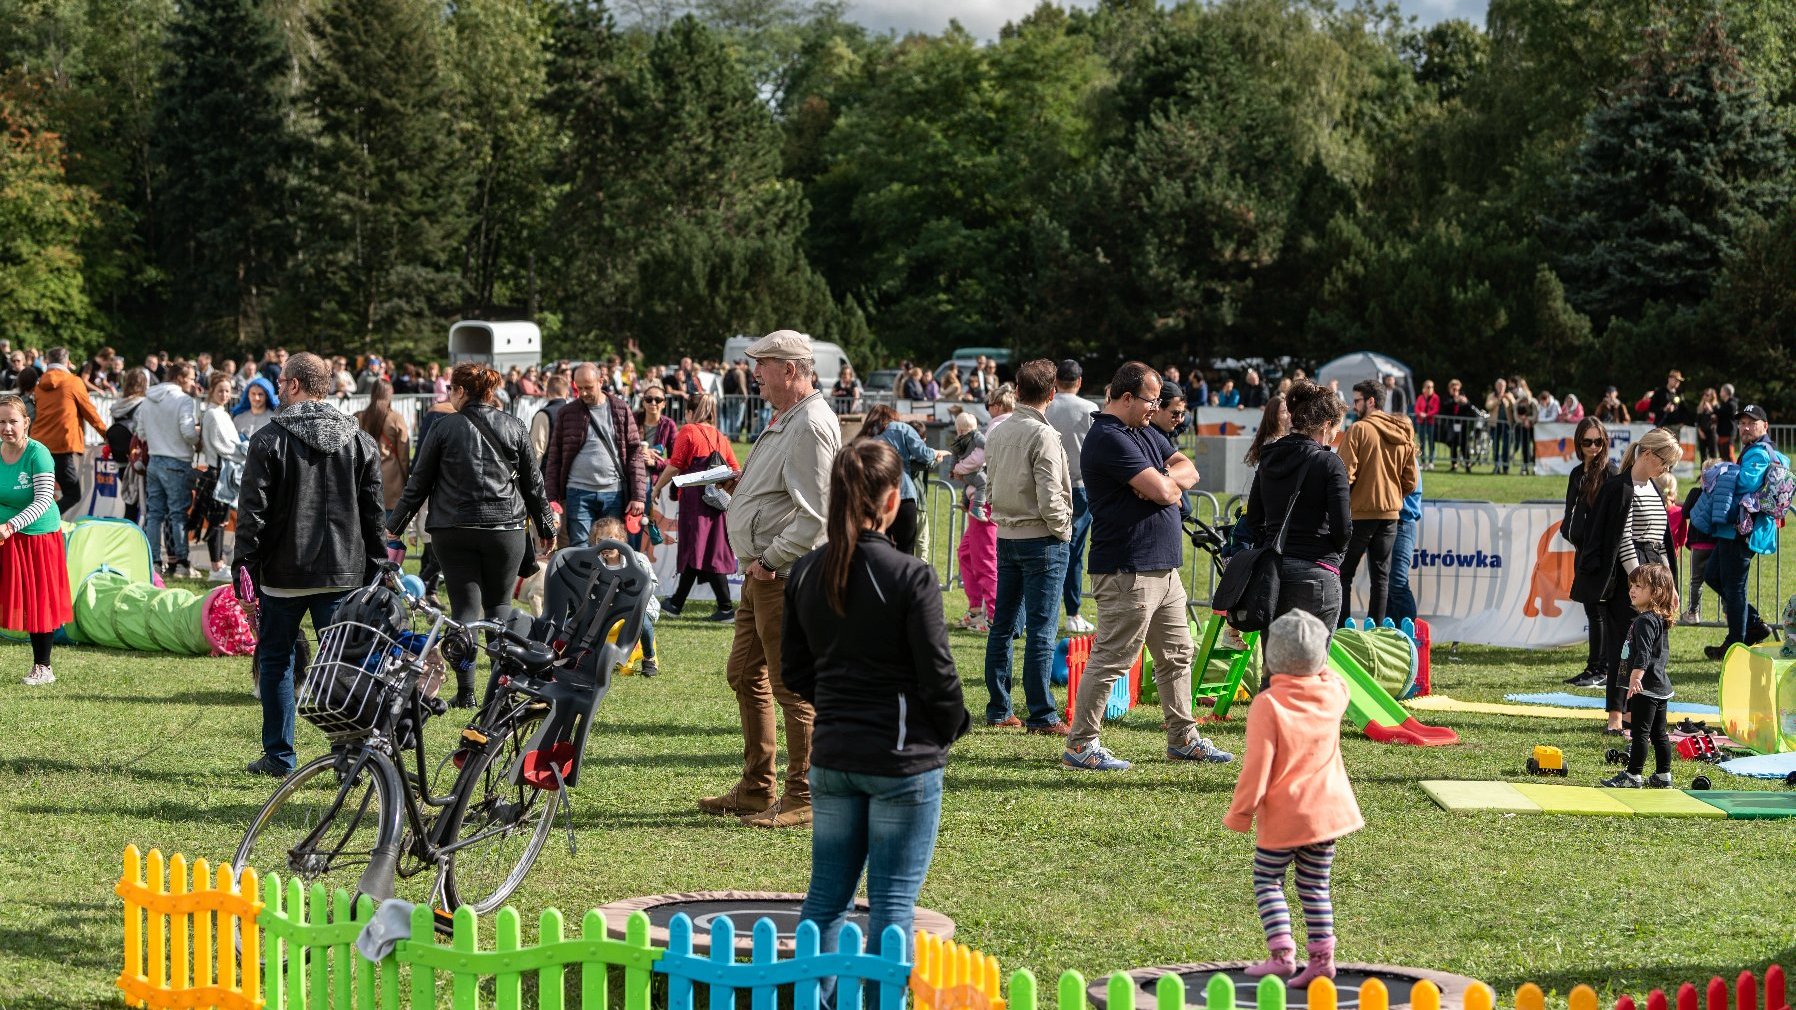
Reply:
x=1313 y=864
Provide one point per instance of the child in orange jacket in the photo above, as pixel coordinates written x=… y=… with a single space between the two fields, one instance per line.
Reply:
x=1294 y=787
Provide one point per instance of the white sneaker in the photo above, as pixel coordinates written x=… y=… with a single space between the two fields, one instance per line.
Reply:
x=1690 y=616
x=1080 y=626
x=39 y=676
x=181 y=570
x=220 y=575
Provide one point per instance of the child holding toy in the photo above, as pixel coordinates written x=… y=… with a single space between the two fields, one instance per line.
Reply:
x=1654 y=593
x=1293 y=791
x=612 y=528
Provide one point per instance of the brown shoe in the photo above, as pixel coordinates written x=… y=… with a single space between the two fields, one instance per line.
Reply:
x=1008 y=722
x=783 y=814
x=1055 y=728
x=734 y=803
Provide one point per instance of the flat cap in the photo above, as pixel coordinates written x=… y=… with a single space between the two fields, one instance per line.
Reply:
x=789 y=345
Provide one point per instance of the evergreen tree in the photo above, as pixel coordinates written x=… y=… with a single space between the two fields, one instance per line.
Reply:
x=1685 y=155
x=387 y=194
x=226 y=152
x=43 y=294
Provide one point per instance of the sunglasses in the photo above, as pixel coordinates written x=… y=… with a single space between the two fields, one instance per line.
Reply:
x=1591 y=441
x=654 y=399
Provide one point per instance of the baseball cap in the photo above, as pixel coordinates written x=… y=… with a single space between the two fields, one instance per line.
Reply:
x=1068 y=371
x=789 y=345
x=1755 y=412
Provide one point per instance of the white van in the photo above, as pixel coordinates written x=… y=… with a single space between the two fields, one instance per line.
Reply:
x=828 y=356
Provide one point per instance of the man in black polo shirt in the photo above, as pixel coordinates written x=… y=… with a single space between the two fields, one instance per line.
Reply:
x=1136 y=480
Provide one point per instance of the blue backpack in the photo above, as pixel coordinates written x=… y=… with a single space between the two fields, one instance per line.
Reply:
x=1719 y=494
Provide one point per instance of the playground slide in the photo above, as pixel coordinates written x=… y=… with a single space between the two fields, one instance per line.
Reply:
x=1373 y=709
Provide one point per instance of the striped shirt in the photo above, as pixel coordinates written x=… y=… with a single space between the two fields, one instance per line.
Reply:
x=1646 y=521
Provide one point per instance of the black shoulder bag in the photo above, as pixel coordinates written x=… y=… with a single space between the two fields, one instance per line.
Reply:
x=1248 y=590
x=529 y=565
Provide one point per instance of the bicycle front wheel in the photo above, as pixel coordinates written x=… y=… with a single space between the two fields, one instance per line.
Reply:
x=323 y=824
x=496 y=827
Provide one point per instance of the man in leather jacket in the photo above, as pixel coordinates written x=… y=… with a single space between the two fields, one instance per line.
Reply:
x=308 y=532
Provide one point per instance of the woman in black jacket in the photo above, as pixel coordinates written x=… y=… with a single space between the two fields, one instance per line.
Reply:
x=866 y=644
x=1300 y=475
x=1627 y=527
x=1591 y=440
x=480 y=475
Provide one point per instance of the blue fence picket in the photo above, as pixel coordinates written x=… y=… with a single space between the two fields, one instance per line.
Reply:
x=723 y=954
x=766 y=952
x=679 y=948
x=852 y=966
x=807 y=993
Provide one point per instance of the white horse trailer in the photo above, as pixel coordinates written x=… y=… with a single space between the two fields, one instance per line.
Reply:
x=499 y=344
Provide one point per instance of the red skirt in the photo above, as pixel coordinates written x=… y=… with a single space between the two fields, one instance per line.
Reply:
x=34 y=583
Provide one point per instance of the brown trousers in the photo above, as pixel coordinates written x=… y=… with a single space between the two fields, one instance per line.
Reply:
x=754 y=674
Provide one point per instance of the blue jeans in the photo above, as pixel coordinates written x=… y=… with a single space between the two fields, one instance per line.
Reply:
x=1401 y=602
x=1031 y=574
x=168 y=490
x=1425 y=434
x=1075 y=562
x=885 y=823
x=734 y=412
x=1499 y=447
x=1730 y=565
x=277 y=633
x=584 y=507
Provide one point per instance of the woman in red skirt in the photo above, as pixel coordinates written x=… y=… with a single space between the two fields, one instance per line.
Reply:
x=34 y=578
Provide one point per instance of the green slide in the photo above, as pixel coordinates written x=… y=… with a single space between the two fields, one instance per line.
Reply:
x=1373 y=709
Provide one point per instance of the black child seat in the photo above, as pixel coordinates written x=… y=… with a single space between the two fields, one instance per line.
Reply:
x=583 y=599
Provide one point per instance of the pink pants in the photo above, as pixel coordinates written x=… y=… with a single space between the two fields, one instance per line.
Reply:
x=979 y=564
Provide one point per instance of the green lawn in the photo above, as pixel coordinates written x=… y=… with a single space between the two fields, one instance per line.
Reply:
x=1046 y=869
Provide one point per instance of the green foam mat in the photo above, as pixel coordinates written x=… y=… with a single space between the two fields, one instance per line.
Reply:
x=1665 y=803
x=1750 y=806
x=1586 y=800
x=1499 y=796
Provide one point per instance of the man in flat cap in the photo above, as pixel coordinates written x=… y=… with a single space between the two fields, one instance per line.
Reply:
x=775 y=517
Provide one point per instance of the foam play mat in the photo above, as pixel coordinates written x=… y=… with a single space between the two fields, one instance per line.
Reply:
x=1762 y=766
x=1398 y=983
x=1565 y=699
x=1590 y=801
x=1442 y=703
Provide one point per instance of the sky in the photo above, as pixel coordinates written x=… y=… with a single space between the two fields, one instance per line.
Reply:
x=983 y=18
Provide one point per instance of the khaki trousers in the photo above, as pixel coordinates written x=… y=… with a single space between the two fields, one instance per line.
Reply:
x=754 y=674
x=1137 y=608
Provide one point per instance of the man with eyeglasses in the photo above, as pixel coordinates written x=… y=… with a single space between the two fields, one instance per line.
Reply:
x=594 y=466
x=1380 y=452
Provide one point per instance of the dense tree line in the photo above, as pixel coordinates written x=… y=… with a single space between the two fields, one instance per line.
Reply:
x=1583 y=190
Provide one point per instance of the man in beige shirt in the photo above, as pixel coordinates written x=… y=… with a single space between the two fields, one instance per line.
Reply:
x=775 y=516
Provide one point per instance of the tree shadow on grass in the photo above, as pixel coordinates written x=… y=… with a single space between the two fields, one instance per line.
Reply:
x=173 y=811
x=29 y=767
x=662 y=729
x=234 y=699
x=60 y=933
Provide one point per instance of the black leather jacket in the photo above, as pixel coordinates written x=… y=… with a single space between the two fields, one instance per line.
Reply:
x=471 y=482
x=309 y=510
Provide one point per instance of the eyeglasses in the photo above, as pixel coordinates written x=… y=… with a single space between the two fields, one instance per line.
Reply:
x=654 y=399
x=1591 y=442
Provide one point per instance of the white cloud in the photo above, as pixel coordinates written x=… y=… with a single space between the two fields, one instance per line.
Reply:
x=983 y=18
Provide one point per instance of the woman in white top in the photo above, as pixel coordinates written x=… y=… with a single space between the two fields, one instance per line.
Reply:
x=218 y=444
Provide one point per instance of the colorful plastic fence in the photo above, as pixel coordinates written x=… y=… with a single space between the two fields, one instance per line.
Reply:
x=181 y=941
x=1748 y=994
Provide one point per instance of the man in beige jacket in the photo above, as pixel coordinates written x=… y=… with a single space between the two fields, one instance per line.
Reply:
x=776 y=515
x=1032 y=506
x=1380 y=452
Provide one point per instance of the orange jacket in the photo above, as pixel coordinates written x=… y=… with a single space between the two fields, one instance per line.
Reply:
x=1292 y=779
x=62 y=405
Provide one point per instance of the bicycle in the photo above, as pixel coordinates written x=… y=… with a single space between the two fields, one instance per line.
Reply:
x=359 y=812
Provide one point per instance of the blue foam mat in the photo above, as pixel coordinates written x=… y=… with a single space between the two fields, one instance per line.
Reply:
x=1761 y=766
x=1566 y=699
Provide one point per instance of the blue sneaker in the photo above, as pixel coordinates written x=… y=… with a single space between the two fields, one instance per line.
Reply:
x=1199 y=749
x=1093 y=758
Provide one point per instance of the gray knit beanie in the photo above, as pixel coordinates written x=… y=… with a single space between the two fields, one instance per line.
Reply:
x=1296 y=645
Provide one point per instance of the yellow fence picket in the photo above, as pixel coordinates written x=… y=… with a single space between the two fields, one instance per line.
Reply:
x=180 y=935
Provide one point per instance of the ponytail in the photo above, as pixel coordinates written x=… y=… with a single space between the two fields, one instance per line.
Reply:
x=859 y=478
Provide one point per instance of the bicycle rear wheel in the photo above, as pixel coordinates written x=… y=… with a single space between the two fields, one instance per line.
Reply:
x=500 y=826
x=321 y=825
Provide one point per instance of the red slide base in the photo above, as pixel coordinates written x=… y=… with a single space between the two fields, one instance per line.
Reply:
x=1413 y=733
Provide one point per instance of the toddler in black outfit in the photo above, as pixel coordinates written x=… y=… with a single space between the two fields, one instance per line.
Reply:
x=1654 y=594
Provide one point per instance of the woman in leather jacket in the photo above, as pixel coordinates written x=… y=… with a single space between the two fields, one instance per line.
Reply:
x=481 y=478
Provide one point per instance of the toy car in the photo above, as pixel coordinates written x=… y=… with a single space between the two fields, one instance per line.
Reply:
x=1547 y=761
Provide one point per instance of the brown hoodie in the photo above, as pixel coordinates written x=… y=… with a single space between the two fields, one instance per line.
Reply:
x=1380 y=452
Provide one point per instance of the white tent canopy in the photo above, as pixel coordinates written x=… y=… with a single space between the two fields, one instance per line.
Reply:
x=1362 y=365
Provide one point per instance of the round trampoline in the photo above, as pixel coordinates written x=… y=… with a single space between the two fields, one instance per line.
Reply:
x=1398 y=981
x=743 y=909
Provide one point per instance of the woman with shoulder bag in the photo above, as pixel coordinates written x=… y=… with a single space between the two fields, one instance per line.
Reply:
x=658 y=433
x=703 y=550
x=476 y=468
x=1301 y=488
x=1628 y=527
x=1591 y=439
x=387 y=428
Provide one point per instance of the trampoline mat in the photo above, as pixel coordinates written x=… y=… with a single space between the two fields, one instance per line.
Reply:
x=744 y=909
x=1397 y=981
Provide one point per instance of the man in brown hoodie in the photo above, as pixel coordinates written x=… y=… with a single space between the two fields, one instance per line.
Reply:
x=1380 y=452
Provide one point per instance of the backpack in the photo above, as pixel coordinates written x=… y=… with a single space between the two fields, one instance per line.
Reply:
x=1710 y=516
x=1768 y=503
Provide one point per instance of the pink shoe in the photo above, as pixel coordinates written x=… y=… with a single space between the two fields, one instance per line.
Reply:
x=1281 y=959
x=1321 y=965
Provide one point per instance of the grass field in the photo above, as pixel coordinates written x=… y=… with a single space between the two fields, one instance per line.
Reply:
x=1043 y=868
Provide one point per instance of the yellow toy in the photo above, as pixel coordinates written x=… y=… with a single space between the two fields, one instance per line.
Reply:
x=1547 y=761
x=633 y=665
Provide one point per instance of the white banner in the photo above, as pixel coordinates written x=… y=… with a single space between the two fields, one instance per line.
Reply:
x=1556 y=453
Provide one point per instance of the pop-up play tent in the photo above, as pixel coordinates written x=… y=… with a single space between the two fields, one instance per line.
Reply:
x=119 y=603
x=1362 y=365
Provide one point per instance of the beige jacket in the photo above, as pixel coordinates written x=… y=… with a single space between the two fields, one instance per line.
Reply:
x=778 y=510
x=1031 y=494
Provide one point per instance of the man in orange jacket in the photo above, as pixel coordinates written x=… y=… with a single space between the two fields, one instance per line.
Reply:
x=62 y=406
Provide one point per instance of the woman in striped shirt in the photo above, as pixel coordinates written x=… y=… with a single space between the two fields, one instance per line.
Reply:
x=1628 y=527
x=34 y=581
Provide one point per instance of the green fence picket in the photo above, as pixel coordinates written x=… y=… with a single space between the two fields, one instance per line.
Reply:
x=1169 y=993
x=1022 y=990
x=1270 y=995
x=1072 y=991
x=1219 y=991
x=508 y=992
x=464 y=938
x=549 y=978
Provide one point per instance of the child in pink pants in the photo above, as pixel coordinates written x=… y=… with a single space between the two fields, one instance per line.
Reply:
x=978 y=554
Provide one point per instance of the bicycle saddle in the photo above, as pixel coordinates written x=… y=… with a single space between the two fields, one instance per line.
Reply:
x=534 y=657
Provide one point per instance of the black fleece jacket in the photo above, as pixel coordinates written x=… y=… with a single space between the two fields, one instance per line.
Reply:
x=1300 y=473
x=887 y=695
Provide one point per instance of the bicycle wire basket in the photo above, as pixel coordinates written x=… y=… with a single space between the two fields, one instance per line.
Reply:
x=353 y=678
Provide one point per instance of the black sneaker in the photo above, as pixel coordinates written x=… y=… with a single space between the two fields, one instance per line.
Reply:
x=263 y=766
x=670 y=608
x=1758 y=633
x=723 y=616
x=649 y=669
x=1714 y=651
x=1624 y=780
x=1577 y=679
x=1588 y=680
x=1659 y=781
